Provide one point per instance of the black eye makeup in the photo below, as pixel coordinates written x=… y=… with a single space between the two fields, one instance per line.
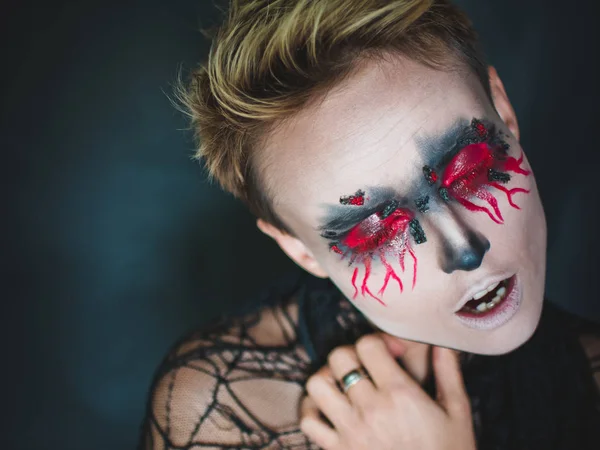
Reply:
x=378 y=224
x=478 y=163
x=387 y=231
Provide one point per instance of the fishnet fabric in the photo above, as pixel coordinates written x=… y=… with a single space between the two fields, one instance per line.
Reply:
x=235 y=386
x=238 y=383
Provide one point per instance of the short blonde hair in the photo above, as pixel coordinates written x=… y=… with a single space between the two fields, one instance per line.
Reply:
x=269 y=58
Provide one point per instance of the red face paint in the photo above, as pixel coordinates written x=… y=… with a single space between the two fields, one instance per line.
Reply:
x=373 y=238
x=358 y=199
x=335 y=248
x=472 y=170
x=480 y=128
x=481 y=164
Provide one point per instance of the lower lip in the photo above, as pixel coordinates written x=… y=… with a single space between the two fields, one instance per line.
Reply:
x=502 y=312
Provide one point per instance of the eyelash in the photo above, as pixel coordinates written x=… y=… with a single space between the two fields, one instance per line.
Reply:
x=387 y=231
x=481 y=160
x=374 y=232
x=477 y=134
x=481 y=163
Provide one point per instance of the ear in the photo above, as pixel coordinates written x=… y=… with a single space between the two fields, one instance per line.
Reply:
x=294 y=248
x=502 y=103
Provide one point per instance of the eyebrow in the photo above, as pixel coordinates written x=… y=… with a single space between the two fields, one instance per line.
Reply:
x=436 y=150
x=439 y=149
x=341 y=218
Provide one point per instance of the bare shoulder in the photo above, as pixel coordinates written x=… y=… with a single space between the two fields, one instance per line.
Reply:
x=231 y=384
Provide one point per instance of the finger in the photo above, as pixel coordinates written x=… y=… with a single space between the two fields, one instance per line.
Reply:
x=323 y=390
x=343 y=360
x=385 y=371
x=452 y=395
x=314 y=427
x=395 y=345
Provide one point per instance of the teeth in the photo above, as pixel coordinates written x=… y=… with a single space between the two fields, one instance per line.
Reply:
x=495 y=300
x=492 y=287
x=480 y=294
x=483 y=307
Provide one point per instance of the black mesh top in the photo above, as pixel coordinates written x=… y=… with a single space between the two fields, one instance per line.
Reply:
x=237 y=383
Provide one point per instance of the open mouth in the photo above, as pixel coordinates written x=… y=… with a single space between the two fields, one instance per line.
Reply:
x=490 y=298
x=493 y=306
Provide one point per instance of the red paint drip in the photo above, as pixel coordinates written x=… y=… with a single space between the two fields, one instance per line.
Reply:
x=412 y=253
x=473 y=207
x=389 y=273
x=337 y=250
x=486 y=195
x=354 y=276
x=514 y=165
x=371 y=239
x=466 y=176
x=509 y=193
x=365 y=288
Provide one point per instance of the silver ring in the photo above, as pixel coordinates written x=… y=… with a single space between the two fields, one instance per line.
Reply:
x=353 y=377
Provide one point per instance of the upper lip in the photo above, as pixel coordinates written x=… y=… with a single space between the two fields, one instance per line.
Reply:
x=481 y=285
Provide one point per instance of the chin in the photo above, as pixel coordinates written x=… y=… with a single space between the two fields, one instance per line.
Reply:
x=516 y=331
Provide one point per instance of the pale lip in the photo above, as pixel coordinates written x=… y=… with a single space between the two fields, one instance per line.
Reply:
x=481 y=285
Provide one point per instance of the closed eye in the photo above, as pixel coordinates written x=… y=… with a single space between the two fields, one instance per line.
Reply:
x=375 y=232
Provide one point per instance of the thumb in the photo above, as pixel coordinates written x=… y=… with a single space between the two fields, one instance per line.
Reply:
x=451 y=392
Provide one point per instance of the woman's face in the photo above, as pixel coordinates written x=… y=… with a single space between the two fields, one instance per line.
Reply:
x=408 y=190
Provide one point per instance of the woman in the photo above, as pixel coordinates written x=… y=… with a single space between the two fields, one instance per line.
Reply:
x=379 y=151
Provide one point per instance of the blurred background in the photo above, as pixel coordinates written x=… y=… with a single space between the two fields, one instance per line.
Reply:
x=115 y=244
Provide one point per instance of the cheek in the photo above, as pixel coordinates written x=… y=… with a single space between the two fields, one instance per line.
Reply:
x=527 y=226
x=520 y=239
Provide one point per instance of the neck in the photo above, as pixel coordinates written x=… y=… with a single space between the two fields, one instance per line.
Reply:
x=415 y=357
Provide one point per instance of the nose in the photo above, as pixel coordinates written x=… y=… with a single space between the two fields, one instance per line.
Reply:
x=465 y=253
x=461 y=247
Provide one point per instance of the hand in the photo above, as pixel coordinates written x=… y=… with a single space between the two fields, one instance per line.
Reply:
x=390 y=410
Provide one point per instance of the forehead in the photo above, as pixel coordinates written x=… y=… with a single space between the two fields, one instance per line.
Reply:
x=363 y=132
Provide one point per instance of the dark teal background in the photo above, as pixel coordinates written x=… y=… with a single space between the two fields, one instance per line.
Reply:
x=115 y=244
